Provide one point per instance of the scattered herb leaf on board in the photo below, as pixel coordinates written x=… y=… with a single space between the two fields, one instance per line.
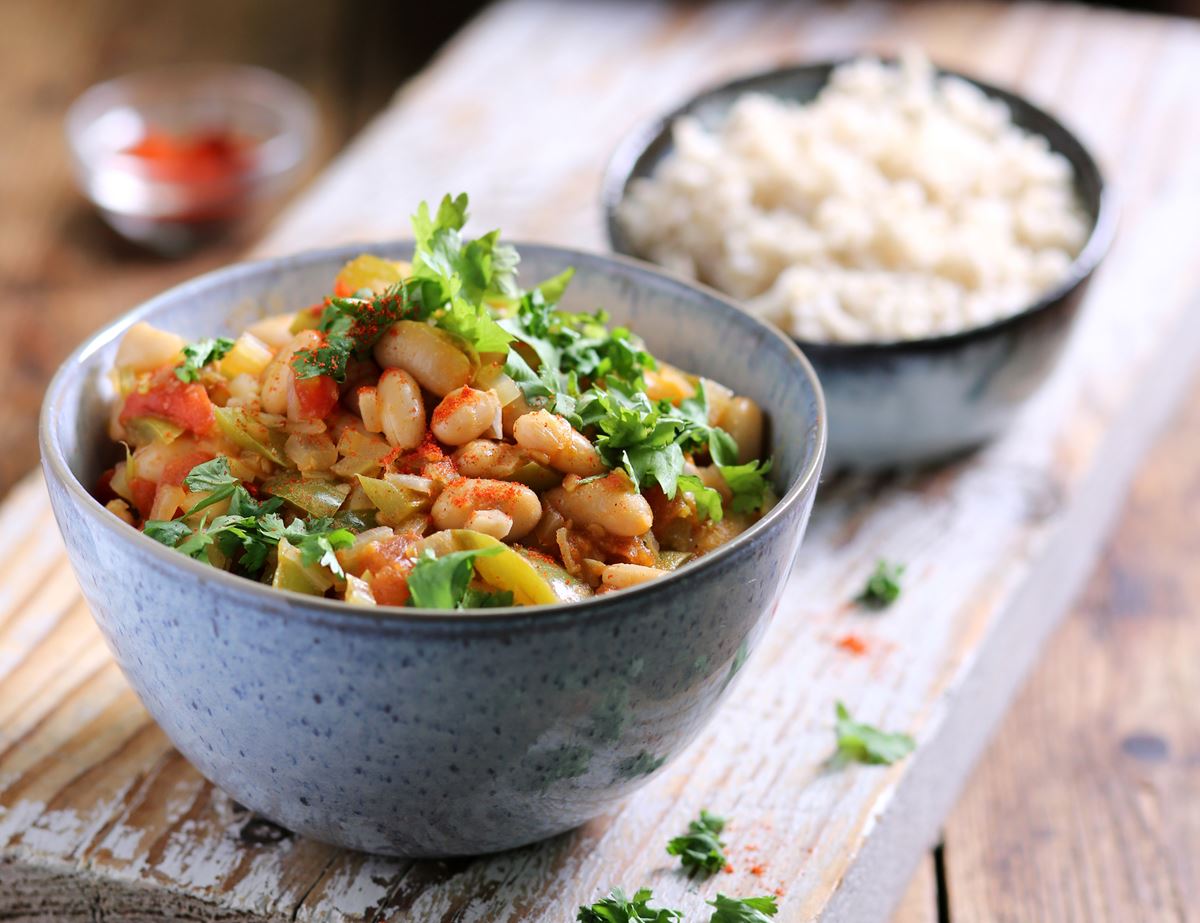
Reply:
x=743 y=909
x=619 y=908
x=862 y=743
x=883 y=586
x=699 y=850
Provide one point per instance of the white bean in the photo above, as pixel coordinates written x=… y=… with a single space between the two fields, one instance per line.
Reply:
x=465 y=414
x=461 y=499
x=554 y=439
x=609 y=502
x=490 y=522
x=621 y=576
x=483 y=458
x=401 y=409
x=743 y=420
x=278 y=376
x=428 y=354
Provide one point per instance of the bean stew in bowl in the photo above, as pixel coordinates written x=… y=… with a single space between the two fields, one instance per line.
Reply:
x=421 y=551
x=430 y=434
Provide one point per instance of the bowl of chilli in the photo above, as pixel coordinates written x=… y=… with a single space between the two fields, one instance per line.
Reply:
x=893 y=398
x=332 y=619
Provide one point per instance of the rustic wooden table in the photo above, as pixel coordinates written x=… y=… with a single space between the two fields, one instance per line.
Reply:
x=1084 y=808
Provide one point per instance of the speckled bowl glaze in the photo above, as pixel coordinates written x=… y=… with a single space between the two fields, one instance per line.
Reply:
x=911 y=401
x=413 y=732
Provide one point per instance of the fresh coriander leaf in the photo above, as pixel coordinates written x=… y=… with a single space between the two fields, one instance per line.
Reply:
x=168 y=531
x=708 y=501
x=862 y=743
x=743 y=909
x=199 y=354
x=749 y=485
x=700 y=850
x=213 y=478
x=482 y=599
x=321 y=547
x=474 y=323
x=211 y=475
x=883 y=586
x=196 y=543
x=555 y=287
x=441 y=583
x=618 y=908
x=351 y=326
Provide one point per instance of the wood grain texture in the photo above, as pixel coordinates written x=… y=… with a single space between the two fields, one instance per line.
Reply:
x=98 y=814
x=56 y=257
x=1087 y=807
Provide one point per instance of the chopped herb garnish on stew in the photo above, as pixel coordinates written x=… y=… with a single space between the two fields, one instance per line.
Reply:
x=199 y=354
x=366 y=448
x=883 y=586
x=700 y=850
x=444 y=583
x=862 y=743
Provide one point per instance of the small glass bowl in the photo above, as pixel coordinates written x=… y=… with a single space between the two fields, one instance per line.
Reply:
x=272 y=120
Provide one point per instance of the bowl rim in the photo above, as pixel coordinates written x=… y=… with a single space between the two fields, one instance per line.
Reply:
x=618 y=173
x=337 y=612
x=282 y=152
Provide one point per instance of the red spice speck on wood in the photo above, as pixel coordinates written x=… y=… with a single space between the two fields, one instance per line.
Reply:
x=852 y=644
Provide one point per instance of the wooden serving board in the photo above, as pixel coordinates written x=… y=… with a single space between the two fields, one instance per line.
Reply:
x=100 y=819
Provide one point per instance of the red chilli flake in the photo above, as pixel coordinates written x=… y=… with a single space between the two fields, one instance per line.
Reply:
x=757 y=870
x=852 y=644
x=729 y=866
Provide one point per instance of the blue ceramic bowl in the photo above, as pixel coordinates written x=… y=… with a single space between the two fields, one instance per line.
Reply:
x=421 y=733
x=909 y=401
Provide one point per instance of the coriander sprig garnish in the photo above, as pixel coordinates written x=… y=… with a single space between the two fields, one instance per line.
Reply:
x=862 y=743
x=249 y=529
x=882 y=587
x=199 y=354
x=444 y=583
x=700 y=850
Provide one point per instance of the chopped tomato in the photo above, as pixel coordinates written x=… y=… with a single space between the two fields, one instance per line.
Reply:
x=185 y=404
x=104 y=491
x=316 y=396
x=143 y=490
x=177 y=469
x=341 y=288
x=389 y=563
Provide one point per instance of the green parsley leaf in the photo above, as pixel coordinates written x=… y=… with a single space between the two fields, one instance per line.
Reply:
x=168 y=531
x=482 y=599
x=475 y=324
x=862 y=743
x=883 y=586
x=352 y=326
x=442 y=583
x=461 y=277
x=250 y=529
x=749 y=485
x=699 y=850
x=618 y=908
x=743 y=909
x=199 y=354
x=708 y=501
x=211 y=477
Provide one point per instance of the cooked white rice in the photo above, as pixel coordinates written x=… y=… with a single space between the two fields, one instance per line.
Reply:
x=896 y=205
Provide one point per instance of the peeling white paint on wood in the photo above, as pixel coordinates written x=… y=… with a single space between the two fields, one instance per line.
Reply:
x=97 y=810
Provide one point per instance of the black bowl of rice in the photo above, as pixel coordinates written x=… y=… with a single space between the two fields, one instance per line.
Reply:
x=925 y=237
